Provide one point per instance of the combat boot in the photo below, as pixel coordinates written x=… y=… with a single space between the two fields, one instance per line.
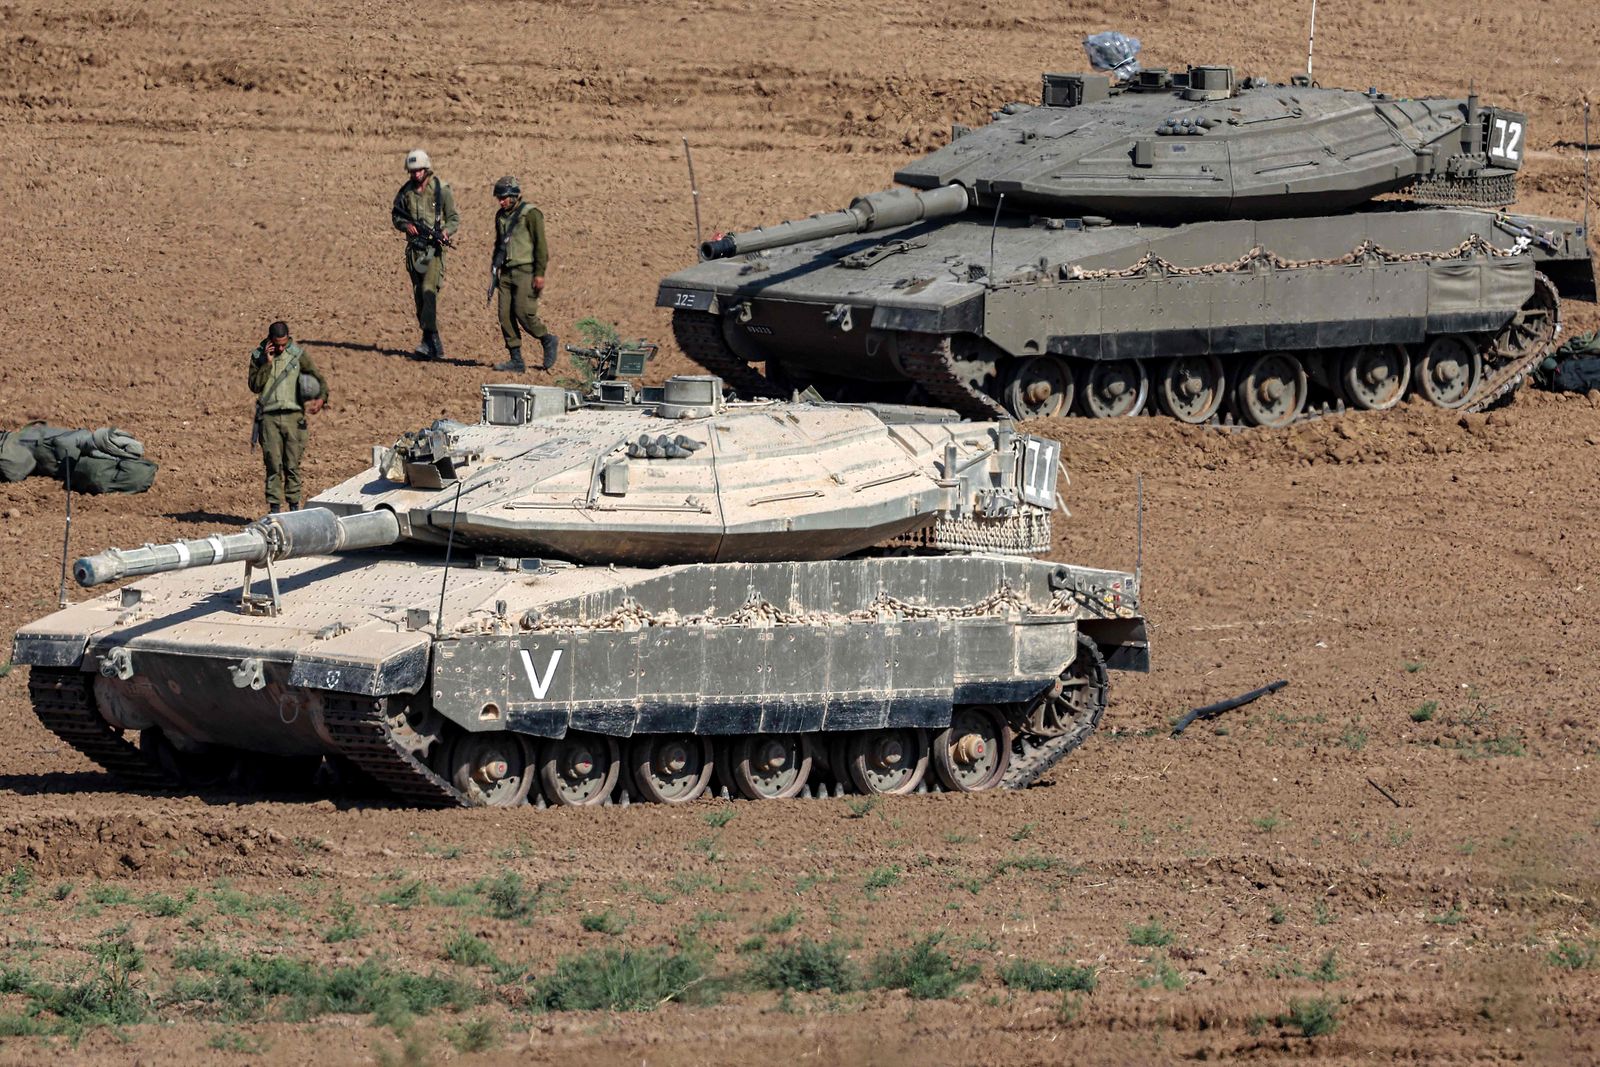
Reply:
x=550 y=350
x=514 y=363
x=424 y=349
x=435 y=345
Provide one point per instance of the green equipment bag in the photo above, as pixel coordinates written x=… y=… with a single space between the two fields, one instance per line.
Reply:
x=16 y=458
x=100 y=474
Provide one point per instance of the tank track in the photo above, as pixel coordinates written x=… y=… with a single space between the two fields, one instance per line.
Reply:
x=699 y=336
x=64 y=702
x=358 y=726
x=929 y=359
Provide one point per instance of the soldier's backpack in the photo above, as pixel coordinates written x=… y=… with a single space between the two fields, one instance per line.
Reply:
x=104 y=474
x=16 y=458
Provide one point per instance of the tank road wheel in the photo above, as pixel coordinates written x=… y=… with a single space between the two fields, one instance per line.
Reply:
x=670 y=768
x=203 y=768
x=770 y=766
x=1075 y=703
x=492 y=769
x=1113 y=389
x=1272 y=390
x=1374 y=377
x=1533 y=328
x=1190 y=388
x=1040 y=387
x=887 y=761
x=973 y=752
x=1447 y=371
x=579 y=770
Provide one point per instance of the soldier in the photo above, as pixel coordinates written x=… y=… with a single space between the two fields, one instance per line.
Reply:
x=425 y=211
x=290 y=388
x=521 y=254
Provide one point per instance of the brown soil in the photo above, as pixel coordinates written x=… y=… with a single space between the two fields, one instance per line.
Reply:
x=174 y=177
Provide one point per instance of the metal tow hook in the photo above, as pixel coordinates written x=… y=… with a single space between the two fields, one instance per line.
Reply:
x=840 y=317
x=249 y=674
x=117 y=664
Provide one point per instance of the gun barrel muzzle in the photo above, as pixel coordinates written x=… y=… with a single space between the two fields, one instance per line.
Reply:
x=875 y=211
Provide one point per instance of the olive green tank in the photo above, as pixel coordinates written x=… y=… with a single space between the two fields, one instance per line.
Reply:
x=632 y=595
x=1211 y=246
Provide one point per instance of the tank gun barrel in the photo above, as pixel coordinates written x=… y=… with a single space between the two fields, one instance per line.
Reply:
x=313 y=532
x=875 y=211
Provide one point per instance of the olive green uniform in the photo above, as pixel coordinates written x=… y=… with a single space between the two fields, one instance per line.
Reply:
x=432 y=205
x=521 y=228
x=282 y=418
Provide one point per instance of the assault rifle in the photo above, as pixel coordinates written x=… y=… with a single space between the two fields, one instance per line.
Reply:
x=497 y=263
x=432 y=235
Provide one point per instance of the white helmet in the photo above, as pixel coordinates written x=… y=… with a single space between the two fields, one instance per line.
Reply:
x=417 y=159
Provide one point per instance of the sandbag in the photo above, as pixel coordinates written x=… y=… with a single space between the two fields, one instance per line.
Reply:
x=102 y=474
x=1577 y=375
x=16 y=458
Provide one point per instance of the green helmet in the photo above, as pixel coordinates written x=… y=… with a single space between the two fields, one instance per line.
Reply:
x=507 y=186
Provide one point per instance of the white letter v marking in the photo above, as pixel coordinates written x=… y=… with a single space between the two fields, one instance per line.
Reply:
x=540 y=686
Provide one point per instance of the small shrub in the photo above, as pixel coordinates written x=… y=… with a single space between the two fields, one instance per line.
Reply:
x=1267 y=823
x=781 y=924
x=1424 y=712
x=1279 y=915
x=18 y=881
x=924 y=971
x=1313 y=1018
x=346 y=927
x=618 y=980
x=1328 y=969
x=805 y=966
x=1038 y=977
x=406 y=895
x=603 y=922
x=469 y=950
x=1453 y=917
x=1021 y=833
x=882 y=878
x=1576 y=955
x=860 y=809
x=1150 y=935
x=1354 y=738
x=1163 y=974
x=719 y=818
x=474 y=1035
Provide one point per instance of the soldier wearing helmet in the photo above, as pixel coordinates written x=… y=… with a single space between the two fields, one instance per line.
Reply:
x=290 y=387
x=425 y=211
x=521 y=255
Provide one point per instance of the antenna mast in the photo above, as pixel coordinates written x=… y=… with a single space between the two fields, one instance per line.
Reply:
x=1311 y=38
x=694 y=191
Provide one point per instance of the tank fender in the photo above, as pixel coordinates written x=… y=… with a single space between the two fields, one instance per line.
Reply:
x=1125 y=643
x=49 y=650
x=366 y=663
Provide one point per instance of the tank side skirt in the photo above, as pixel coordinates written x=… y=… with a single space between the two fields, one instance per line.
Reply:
x=357 y=725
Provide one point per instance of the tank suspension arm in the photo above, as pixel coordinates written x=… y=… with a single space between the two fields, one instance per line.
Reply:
x=875 y=211
x=313 y=532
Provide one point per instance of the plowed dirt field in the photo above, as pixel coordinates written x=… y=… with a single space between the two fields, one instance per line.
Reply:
x=174 y=176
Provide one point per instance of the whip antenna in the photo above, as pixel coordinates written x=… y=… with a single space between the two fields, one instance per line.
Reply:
x=1311 y=38
x=444 y=576
x=66 y=538
x=1586 y=168
x=992 y=227
x=694 y=191
x=1138 y=552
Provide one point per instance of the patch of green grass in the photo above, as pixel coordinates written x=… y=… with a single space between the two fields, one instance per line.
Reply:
x=687 y=883
x=1576 y=955
x=406 y=895
x=953 y=838
x=603 y=922
x=1036 y=977
x=1353 y=737
x=720 y=817
x=1150 y=935
x=861 y=808
x=1163 y=974
x=234 y=1041
x=1031 y=862
x=1453 y=917
x=806 y=966
x=346 y=926
x=243 y=986
x=1413 y=666
x=1279 y=915
x=109 y=895
x=624 y=979
x=230 y=901
x=444 y=852
x=1022 y=832
x=924 y=971
x=1267 y=823
x=108 y=993
x=781 y=924
x=5 y=668
x=61 y=890
x=469 y=950
x=881 y=878
x=1327 y=970
x=18 y=882
x=1424 y=711
x=1314 y=1017
x=163 y=906
x=508 y=898
x=1322 y=915
x=473 y=1035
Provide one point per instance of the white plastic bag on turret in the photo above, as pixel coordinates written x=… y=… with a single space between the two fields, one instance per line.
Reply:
x=1113 y=52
